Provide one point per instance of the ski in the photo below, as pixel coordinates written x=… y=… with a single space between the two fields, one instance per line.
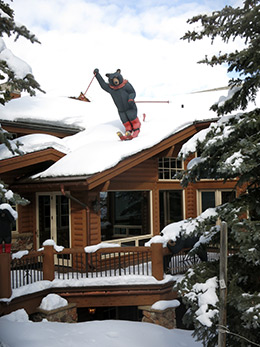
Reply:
x=125 y=137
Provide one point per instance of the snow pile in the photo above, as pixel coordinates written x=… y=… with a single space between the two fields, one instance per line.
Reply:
x=162 y=305
x=190 y=145
x=6 y=193
x=52 y=243
x=235 y=160
x=94 y=248
x=20 y=68
x=206 y=296
x=52 y=302
x=10 y=209
x=109 y=333
x=186 y=227
x=16 y=316
x=33 y=143
x=19 y=255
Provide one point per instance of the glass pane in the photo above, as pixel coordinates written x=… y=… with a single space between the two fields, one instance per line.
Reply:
x=124 y=214
x=207 y=200
x=166 y=162
x=179 y=164
x=171 y=207
x=175 y=199
x=62 y=221
x=227 y=196
x=44 y=215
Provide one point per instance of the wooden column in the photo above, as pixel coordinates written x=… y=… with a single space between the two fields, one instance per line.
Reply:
x=157 y=261
x=5 y=275
x=222 y=285
x=48 y=263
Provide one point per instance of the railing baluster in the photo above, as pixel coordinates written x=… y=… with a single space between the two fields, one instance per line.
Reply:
x=129 y=262
x=124 y=263
x=110 y=268
x=114 y=264
x=119 y=263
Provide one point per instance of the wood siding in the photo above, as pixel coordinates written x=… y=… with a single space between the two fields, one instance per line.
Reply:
x=140 y=177
x=26 y=216
x=78 y=220
x=190 y=201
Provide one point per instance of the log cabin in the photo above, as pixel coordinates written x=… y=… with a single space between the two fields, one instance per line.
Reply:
x=85 y=186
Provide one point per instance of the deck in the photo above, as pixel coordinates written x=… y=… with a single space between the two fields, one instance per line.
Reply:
x=118 y=276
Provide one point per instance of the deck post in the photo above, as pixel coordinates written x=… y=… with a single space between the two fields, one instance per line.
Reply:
x=48 y=263
x=5 y=275
x=157 y=261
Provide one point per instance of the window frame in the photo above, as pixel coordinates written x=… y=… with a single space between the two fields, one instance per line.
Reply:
x=218 y=197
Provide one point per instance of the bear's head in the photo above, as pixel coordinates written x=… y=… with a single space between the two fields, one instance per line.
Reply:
x=115 y=79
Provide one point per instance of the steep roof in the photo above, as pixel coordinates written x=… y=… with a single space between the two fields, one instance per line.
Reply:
x=97 y=147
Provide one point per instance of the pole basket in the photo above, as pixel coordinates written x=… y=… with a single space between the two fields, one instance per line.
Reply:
x=81 y=97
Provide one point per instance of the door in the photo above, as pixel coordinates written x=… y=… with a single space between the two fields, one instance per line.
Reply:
x=53 y=219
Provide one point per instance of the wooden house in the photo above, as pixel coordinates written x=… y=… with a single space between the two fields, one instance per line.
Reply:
x=126 y=204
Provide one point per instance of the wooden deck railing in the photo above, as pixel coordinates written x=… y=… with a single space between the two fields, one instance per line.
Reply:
x=75 y=263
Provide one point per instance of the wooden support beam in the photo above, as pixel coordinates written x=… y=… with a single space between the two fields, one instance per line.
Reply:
x=157 y=261
x=5 y=275
x=48 y=263
x=105 y=186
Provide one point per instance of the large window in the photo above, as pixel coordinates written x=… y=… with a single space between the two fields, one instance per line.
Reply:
x=214 y=198
x=125 y=214
x=168 y=168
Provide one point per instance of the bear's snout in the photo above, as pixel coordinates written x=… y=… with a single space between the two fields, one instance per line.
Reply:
x=115 y=81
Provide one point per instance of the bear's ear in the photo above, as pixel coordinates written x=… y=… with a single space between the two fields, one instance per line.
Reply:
x=118 y=71
x=108 y=74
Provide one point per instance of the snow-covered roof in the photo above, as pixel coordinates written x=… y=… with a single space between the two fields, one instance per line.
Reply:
x=98 y=148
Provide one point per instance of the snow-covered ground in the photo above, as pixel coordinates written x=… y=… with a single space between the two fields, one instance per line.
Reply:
x=17 y=331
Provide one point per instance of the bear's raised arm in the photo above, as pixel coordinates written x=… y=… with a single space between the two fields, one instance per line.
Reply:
x=101 y=81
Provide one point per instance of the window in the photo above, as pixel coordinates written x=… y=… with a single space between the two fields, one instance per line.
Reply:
x=208 y=199
x=124 y=214
x=168 y=168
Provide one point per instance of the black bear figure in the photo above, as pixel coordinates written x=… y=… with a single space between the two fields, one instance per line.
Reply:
x=187 y=242
x=123 y=95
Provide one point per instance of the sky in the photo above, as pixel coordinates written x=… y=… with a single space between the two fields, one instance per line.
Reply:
x=142 y=38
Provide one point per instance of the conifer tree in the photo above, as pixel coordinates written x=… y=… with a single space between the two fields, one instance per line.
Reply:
x=16 y=75
x=230 y=149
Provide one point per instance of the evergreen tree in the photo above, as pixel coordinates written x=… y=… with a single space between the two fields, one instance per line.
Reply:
x=17 y=76
x=8 y=71
x=230 y=149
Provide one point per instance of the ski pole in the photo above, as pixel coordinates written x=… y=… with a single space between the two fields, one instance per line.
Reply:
x=153 y=102
x=89 y=84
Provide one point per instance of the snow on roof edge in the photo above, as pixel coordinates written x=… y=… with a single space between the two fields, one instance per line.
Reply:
x=86 y=176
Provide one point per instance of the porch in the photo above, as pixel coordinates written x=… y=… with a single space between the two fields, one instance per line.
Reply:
x=114 y=276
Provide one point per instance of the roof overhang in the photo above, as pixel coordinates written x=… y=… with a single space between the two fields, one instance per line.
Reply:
x=22 y=127
x=19 y=167
x=93 y=181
